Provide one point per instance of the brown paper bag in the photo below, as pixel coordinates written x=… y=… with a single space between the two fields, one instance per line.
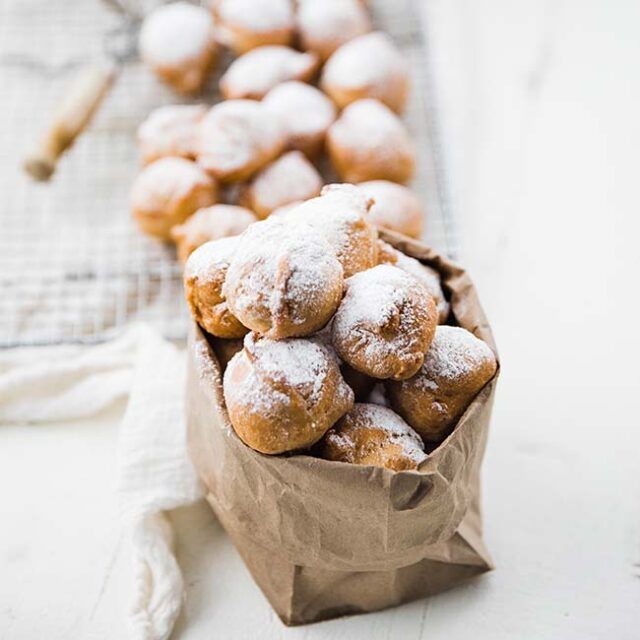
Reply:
x=324 y=539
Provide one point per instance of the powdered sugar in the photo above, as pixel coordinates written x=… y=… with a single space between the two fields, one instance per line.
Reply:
x=176 y=33
x=255 y=15
x=207 y=260
x=253 y=74
x=454 y=354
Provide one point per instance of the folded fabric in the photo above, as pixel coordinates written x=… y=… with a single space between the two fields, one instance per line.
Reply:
x=48 y=384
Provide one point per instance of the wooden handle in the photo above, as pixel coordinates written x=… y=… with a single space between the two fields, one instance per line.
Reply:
x=70 y=119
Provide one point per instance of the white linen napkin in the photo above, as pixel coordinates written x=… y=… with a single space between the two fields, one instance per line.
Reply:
x=46 y=384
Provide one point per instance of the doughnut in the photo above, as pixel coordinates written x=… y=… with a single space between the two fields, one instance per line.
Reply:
x=369 y=66
x=288 y=179
x=373 y=435
x=394 y=207
x=245 y=24
x=237 y=138
x=225 y=349
x=429 y=277
x=167 y=192
x=283 y=395
x=255 y=73
x=455 y=369
x=340 y=215
x=177 y=42
x=306 y=114
x=170 y=131
x=324 y=26
x=385 y=323
x=210 y=223
x=204 y=275
x=284 y=280
x=369 y=142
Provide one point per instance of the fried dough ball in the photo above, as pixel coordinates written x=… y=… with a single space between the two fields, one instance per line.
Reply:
x=167 y=192
x=237 y=138
x=210 y=223
x=370 y=66
x=395 y=207
x=283 y=395
x=245 y=24
x=255 y=73
x=290 y=178
x=325 y=26
x=170 y=131
x=306 y=113
x=204 y=276
x=457 y=366
x=385 y=323
x=369 y=142
x=177 y=41
x=340 y=215
x=429 y=277
x=284 y=280
x=373 y=435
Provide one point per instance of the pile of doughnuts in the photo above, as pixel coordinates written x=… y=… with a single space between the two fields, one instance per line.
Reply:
x=332 y=341
x=312 y=95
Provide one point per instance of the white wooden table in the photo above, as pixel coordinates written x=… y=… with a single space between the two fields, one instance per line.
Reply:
x=541 y=103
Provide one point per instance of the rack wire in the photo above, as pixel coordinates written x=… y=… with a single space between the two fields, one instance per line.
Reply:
x=73 y=267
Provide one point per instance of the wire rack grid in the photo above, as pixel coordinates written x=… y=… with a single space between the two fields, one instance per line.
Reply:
x=73 y=267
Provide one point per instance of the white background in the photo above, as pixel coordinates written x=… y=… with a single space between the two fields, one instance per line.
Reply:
x=541 y=114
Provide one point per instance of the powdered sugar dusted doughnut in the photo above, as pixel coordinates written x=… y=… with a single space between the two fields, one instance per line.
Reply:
x=385 y=323
x=204 y=276
x=394 y=207
x=170 y=131
x=245 y=24
x=177 y=41
x=325 y=26
x=210 y=223
x=288 y=179
x=369 y=142
x=429 y=277
x=283 y=395
x=256 y=72
x=373 y=435
x=340 y=215
x=305 y=112
x=457 y=366
x=167 y=192
x=284 y=279
x=368 y=67
x=237 y=138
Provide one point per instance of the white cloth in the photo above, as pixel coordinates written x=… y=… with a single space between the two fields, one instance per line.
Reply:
x=39 y=385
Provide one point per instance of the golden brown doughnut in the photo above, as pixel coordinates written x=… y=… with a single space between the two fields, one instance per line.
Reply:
x=455 y=369
x=237 y=138
x=284 y=280
x=373 y=435
x=167 y=192
x=369 y=142
x=170 y=131
x=429 y=277
x=305 y=112
x=204 y=276
x=288 y=179
x=255 y=73
x=210 y=223
x=369 y=66
x=177 y=41
x=324 y=26
x=385 y=323
x=340 y=215
x=283 y=395
x=395 y=207
x=245 y=24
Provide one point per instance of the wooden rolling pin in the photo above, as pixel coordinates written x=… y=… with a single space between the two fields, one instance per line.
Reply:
x=70 y=119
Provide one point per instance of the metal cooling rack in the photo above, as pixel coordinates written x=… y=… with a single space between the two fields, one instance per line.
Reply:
x=73 y=268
